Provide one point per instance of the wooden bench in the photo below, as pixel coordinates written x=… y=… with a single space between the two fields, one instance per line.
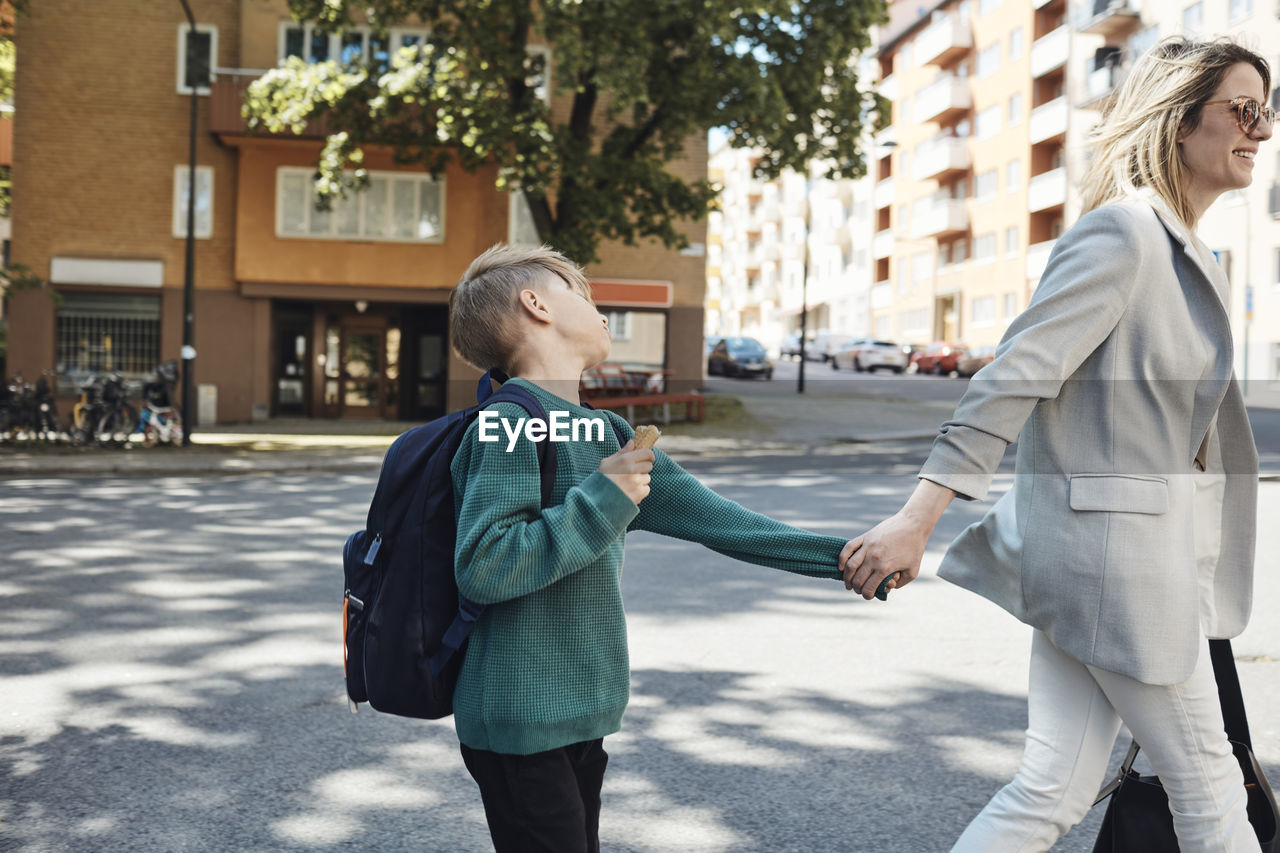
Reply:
x=692 y=402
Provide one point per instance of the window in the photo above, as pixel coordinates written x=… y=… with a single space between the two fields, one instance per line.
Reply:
x=396 y=206
x=1013 y=176
x=1011 y=240
x=988 y=60
x=1015 y=44
x=915 y=322
x=988 y=123
x=959 y=251
x=99 y=332
x=984 y=311
x=921 y=266
x=986 y=185
x=520 y=228
x=902 y=275
x=204 y=201
x=984 y=247
x=985 y=6
x=1193 y=19
x=197 y=53
x=1142 y=41
x=1010 y=305
x=541 y=81
x=352 y=46
x=1237 y=9
x=1015 y=109
x=619 y=325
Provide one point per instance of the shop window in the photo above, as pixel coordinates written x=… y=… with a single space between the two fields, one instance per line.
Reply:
x=105 y=332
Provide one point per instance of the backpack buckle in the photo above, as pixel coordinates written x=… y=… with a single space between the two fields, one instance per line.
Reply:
x=468 y=610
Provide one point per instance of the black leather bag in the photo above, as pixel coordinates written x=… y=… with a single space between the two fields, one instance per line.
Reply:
x=1137 y=819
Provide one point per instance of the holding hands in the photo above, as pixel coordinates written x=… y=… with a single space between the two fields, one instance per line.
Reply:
x=890 y=553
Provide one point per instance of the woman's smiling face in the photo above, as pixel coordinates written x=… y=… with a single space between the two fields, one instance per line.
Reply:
x=1218 y=154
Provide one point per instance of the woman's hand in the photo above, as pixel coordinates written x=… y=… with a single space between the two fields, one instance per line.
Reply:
x=896 y=544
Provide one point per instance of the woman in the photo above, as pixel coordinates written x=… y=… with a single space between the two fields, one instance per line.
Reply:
x=1128 y=536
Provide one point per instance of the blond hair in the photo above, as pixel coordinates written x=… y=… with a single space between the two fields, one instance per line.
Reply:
x=483 y=304
x=1136 y=145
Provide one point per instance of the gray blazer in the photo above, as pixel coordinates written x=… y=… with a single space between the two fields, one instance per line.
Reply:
x=1117 y=384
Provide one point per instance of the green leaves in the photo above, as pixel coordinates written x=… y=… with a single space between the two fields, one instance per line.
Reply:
x=637 y=78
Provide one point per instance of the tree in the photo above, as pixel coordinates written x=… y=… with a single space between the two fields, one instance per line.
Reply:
x=644 y=77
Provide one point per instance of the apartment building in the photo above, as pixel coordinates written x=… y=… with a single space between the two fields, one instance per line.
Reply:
x=776 y=245
x=977 y=175
x=297 y=312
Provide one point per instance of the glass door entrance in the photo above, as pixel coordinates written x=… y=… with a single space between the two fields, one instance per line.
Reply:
x=362 y=369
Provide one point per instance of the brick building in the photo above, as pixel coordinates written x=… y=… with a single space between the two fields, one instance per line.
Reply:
x=297 y=312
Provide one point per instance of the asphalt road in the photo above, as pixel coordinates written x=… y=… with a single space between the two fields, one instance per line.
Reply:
x=171 y=675
x=939 y=394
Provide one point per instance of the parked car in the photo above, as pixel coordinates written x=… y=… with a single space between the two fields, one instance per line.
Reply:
x=824 y=345
x=868 y=354
x=940 y=357
x=739 y=356
x=790 y=347
x=975 y=361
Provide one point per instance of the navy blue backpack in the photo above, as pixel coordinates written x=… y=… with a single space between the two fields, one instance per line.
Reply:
x=404 y=623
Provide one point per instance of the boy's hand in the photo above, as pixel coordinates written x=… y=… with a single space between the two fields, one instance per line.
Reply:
x=630 y=468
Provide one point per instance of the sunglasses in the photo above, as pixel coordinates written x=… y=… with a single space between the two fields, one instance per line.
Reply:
x=1248 y=111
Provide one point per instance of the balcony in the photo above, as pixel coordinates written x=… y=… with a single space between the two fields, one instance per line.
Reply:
x=886 y=139
x=942 y=217
x=888 y=87
x=1050 y=51
x=882 y=294
x=1038 y=258
x=1047 y=190
x=882 y=244
x=1101 y=83
x=943 y=99
x=884 y=193
x=943 y=41
x=226 y=98
x=1048 y=121
x=940 y=157
x=1040 y=4
x=1110 y=18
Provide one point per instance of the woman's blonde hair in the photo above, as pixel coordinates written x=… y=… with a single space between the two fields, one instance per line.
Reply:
x=483 y=304
x=1136 y=145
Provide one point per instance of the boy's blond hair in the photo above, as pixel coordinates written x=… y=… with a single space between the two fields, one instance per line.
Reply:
x=482 y=305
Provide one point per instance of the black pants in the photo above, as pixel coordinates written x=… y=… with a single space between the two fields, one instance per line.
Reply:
x=546 y=802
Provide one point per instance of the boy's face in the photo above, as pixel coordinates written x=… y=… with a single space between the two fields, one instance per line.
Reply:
x=578 y=321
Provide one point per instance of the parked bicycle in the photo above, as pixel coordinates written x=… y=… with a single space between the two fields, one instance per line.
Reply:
x=28 y=411
x=103 y=413
x=160 y=422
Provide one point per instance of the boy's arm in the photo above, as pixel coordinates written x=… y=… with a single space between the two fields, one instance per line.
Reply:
x=680 y=506
x=508 y=546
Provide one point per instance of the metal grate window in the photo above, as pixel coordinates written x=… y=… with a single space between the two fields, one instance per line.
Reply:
x=98 y=333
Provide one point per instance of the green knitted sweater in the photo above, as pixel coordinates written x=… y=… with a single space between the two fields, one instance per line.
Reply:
x=547 y=662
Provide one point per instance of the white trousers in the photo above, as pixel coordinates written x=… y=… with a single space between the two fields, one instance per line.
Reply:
x=1074 y=715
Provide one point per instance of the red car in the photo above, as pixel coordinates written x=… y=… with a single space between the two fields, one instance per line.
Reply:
x=940 y=357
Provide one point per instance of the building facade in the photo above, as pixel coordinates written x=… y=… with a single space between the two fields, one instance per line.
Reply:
x=297 y=312
x=976 y=174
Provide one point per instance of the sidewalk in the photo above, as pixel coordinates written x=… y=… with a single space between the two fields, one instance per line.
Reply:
x=734 y=426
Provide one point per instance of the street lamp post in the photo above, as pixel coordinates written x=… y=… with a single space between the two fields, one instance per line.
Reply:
x=189 y=268
x=804 y=286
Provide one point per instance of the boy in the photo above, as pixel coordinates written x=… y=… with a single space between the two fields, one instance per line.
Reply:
x=546 y=674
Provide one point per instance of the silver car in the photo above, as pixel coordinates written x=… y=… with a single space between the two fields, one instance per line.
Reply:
x=868 y=354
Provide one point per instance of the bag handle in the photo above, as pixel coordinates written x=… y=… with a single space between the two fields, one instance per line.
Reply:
x=1234 y=720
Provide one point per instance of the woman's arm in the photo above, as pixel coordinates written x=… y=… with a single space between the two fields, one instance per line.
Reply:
x=896 y=544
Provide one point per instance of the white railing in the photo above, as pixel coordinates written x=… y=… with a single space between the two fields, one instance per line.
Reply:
x=1048 y=120
x=1047 y=190
x=1038 y=258
x=941 y=154
x=948 y=92
x=1050 y=51
x=941 y=39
